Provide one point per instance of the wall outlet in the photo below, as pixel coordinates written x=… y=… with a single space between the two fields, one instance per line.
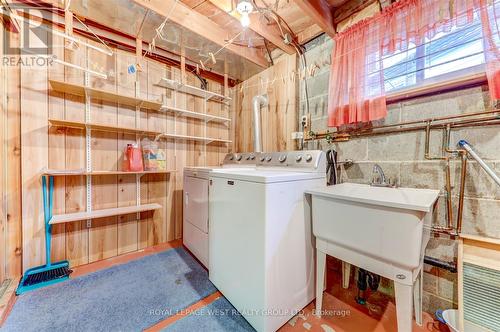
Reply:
x=304 y=121
x=297 y=135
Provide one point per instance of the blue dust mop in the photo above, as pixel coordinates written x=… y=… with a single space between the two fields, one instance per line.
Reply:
x=50 y=273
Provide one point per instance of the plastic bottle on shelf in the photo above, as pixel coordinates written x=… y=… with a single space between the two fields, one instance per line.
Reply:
x=132 y=159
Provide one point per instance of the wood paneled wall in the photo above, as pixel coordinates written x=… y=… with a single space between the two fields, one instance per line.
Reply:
x=59 y=148
x=279 y=118
x=3 y=120
x=10 y=238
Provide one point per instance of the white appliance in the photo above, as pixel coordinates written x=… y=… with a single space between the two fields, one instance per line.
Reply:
x=382 y=230
x=195 y=216
x=261 y=248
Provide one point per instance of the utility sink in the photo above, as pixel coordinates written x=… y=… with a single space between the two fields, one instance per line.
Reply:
x=380 y=229
x=386 y=223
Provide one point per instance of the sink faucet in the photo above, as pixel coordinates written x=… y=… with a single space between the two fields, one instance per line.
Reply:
x=382 y=181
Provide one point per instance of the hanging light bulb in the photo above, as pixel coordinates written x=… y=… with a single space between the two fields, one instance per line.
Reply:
x=244 y=7
x=245 y=20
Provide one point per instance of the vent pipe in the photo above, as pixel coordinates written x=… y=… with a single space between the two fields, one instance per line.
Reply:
x=258 y=102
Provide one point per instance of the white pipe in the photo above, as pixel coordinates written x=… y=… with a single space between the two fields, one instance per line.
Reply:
x=474 y=155
x=258 y=102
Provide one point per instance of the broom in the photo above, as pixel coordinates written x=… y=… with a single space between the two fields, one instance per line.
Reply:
x=50 y=273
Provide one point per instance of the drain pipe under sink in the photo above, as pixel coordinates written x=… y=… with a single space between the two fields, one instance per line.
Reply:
x=258 y=102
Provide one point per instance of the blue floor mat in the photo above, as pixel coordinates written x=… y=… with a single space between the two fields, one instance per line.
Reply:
x=218 y=316
x=127 y=297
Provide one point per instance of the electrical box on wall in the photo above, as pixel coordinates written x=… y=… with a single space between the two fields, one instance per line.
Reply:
x=304 y=121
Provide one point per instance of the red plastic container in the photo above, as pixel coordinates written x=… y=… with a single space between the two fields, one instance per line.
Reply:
x=133 y=159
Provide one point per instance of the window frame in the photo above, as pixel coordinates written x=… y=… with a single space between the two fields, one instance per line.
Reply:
x=474 y=74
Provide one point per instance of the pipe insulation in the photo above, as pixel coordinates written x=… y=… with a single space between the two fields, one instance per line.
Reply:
x=258 y=102
x=464 y=144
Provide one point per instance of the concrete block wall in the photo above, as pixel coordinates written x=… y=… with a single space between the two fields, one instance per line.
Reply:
x=402 y=158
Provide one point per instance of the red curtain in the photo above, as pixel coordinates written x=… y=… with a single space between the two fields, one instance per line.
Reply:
x=356 y=84
x=490 y=19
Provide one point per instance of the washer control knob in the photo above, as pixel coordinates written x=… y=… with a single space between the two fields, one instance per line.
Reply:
x=298 y=158
x=231 y=157
x=309 y=158
x=248 y=157
x=238 y=157
x=269 y=158
x=262 y=158
x=282 y=158
x=252 y=157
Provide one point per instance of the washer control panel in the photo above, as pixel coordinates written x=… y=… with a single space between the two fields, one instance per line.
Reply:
x=304 y=160
x=246 y=158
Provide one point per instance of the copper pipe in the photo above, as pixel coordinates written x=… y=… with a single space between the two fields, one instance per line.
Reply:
x=447 y=136
x=494 y=120
x=463 y=174
x=474 y=122
x=438 y=119
x=375 y=130
x=449 y=204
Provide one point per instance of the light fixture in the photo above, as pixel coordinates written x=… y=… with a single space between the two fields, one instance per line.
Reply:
x=244 y=7
x=245 y=20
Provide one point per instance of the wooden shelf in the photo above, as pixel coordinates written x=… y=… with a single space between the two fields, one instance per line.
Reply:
x=99 y=127
x=79 y=172
x=69 y=217
x=113 y=97
x=83 y=125
x=197 y=138
x=196 y=115
x=192 y=90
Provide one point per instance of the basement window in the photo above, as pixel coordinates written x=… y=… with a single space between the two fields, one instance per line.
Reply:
x=453 y=54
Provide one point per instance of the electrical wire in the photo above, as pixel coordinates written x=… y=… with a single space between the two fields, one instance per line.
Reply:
x=159 y=31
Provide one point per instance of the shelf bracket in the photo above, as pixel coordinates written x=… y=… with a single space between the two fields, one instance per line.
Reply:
x=88 y=143
x=137 y=139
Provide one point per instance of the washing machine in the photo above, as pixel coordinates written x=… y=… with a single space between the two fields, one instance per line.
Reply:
x=195 y=202
x=261 y=254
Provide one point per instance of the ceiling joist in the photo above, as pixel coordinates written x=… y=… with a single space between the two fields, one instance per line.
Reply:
x=320 y=12
x=202 y=26
x=256 y=25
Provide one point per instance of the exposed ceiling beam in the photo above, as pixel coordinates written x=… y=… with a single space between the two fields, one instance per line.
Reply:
x=203 y=26
x=256 y=25
x=309 y=33
x=350 y=8
x=320 y=12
